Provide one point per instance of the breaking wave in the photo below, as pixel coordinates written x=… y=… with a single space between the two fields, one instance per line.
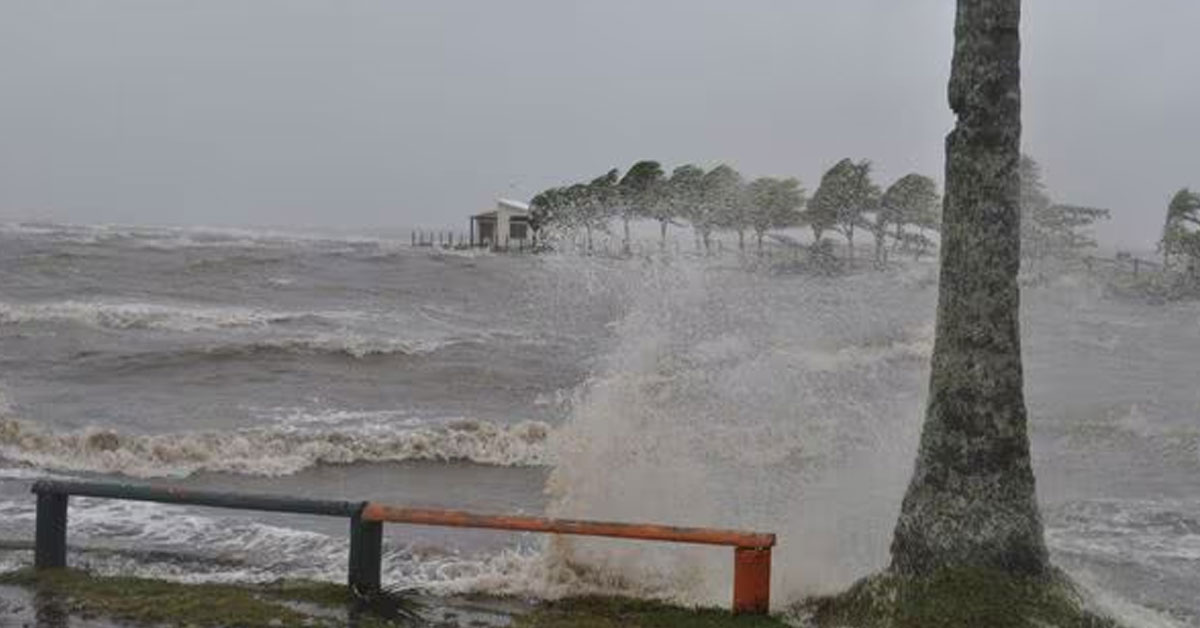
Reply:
x=170 y=238
x=273 y=451
x=104 y=315
x=343 y=344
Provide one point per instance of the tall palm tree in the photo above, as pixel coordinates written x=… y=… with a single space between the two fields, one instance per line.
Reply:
x=971 y=502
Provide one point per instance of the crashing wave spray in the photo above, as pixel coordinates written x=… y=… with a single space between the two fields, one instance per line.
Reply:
x=730 y=399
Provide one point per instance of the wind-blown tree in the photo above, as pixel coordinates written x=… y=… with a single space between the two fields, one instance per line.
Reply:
x=774 y=204
x=580 y=211
x=912 y=200
x=1035 y=201
x=545 y=210
x=580 y=206
x=1065 y=227
x=1181 y=233
x=720 y=200
x=684 y=193
x=1049 y=229
x=596 y=203
x=878 y=223
x=822 y=212
x=846 y=193
x=641 y=189
x=660 y=209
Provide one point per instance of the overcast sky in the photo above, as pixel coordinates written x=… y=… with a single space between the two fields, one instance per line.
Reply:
x=361 y=114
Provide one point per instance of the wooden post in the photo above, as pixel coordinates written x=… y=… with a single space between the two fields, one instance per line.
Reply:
x=414 y=237
x=50 y=542
x=366 y=555
x=751 y=580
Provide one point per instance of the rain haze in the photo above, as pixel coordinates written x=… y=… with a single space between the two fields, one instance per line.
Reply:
x=393 y=115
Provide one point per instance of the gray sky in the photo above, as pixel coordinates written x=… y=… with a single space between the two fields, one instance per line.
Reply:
x=388 y=113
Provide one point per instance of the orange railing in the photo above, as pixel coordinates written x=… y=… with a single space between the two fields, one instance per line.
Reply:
x=751 y=556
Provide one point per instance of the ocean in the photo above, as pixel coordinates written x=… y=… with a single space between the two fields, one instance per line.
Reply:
x=664 y=388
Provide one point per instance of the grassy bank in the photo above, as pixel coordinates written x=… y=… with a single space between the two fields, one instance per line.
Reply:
x=143 y=601
x=140 y=601
x=955 y=598
x=604 y=612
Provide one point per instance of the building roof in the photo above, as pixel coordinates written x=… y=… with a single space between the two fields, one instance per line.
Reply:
x=517 y=205
x=517 y=208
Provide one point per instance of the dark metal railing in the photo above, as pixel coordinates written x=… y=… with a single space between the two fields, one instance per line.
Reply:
x=752 y=550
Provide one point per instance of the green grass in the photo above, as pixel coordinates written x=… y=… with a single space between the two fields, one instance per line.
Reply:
x=609 y=612
x=285 y=603
x=952 y=599
x=156 y=602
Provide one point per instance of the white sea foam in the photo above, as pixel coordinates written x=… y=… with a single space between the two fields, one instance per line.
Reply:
x=304 y=417
x=1124 y=611
x=182 y=317
x=233 y=548
x=344 y=342
x=349 y=334
x=269 y=451
x=1160 y=532
x=25 y=473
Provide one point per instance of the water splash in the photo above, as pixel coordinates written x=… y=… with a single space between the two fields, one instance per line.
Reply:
x=734 y=400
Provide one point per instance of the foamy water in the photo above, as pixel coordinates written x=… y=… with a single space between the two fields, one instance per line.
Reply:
x=673 y=390
x=269 y=451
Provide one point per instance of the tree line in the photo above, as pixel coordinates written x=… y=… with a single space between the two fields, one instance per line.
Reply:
x=847 y=202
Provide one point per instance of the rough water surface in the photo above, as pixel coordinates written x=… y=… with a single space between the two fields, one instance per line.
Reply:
x=680 y=390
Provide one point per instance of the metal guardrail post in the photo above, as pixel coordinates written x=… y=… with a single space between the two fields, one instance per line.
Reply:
x=50 y=544
x=366 y=554
x=751 y=580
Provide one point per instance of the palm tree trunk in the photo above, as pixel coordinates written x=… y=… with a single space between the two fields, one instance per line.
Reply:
x=972 y=501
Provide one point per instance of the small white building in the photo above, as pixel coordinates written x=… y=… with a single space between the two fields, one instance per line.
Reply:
x=505 y=226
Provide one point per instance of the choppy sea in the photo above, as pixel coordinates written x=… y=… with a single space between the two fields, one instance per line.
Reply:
x=663 y=388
